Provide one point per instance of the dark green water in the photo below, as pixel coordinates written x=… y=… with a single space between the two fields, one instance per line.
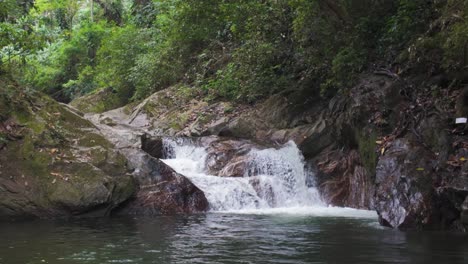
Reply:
x=224 y=238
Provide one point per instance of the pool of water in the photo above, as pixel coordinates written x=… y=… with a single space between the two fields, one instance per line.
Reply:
x=225 y=238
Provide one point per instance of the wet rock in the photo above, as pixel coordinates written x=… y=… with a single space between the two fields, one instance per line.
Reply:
x=227 y=157
x=160 y=189
x=152 y=145
x=404 y=191
x=264 y=191
x=343 y=181
x=236 y=167
x=164 y=191
x=464 y=213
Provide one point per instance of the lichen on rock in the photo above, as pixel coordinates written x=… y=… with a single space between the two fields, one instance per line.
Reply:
x=59 y=164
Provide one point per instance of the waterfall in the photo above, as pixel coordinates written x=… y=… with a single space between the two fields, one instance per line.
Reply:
x=273 y=178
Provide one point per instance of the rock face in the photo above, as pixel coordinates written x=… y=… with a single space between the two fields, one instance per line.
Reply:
x=464 y=215
x=404 y=179
x=55 y=163
x=164 y=191
x=227 y=157
x=160 y=189
x=344 y=181
x=412 y=191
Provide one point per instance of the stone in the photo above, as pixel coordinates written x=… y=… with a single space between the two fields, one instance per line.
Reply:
x=152 y=145
x=464 y=213
x=160 y=190
x=61 y=166
x=404 y=193
x=227 y=157
x=164 y=191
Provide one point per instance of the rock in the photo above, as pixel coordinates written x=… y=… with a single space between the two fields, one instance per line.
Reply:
x=60 y=166
x=227 y=157
x=343 y=181
x=98 y=102
x=241 y=127
x=164 y=191
x=215 y=127
x=236 y=167
x=412 y=191
x=153 y=146
x=312 y=139
x=404 y=191
x=464 y=213
x=461 y=106
x=264 y=190
x=160 y=189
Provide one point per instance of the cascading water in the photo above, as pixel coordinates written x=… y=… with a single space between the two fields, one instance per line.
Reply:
x=273 y=178
x=274 y=181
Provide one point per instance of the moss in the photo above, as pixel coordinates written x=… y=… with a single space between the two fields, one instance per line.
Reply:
x=72 y=179
x=32 y=160
x=99 y=101
x=178 y=121
x=205 y=118
x=366 y=147
x=228 y=108
x=90 y=139
x=3 y=138
x=185 y=92
x=124 y=188
x=22 y=116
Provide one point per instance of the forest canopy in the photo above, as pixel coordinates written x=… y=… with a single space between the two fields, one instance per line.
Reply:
x=239 y=50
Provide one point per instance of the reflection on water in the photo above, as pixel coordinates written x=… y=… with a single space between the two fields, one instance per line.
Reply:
x=224 y=238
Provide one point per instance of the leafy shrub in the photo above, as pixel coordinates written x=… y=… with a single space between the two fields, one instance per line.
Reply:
x=63 y=61
x=117 y=57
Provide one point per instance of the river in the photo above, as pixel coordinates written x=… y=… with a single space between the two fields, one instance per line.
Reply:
x=225 y=238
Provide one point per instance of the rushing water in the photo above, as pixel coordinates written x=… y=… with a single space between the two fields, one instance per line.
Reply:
x=274 y=178
x=275 y=181
x=271 y=215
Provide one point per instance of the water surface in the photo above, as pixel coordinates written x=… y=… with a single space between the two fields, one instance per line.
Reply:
x=225 y=238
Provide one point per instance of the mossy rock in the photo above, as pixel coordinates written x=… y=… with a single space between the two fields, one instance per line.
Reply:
x=60 y=166
x=99 y=101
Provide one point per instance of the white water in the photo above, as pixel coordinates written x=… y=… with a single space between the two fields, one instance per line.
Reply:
x=274 y=182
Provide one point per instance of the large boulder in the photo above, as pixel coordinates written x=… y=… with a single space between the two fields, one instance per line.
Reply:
x=163 y=191
x=404 y=190
x=55 y=163
x=160 y=189
x=413 y=190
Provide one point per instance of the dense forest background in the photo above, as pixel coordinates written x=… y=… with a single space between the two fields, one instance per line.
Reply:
x=237 y=50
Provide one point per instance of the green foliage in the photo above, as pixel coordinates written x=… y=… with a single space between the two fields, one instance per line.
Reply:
x=118 y=56
x=455 y=39
x=238 y=50
x=410 y=19
x=345 y=67
x=62 y=63
x=82 y=85
x=10 y=10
